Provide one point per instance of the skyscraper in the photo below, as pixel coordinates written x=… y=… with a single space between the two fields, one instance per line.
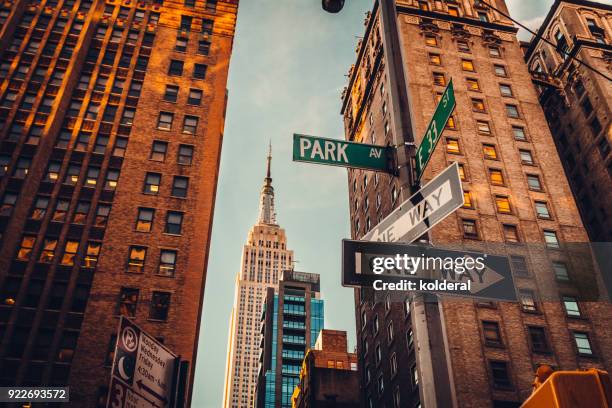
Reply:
x=264 y=257
x=467 y=352
x=577 y=102
x=111 y=121
x=291 y=320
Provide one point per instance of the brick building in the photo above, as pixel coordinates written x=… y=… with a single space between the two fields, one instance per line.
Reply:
x=328 y=377
x=291 y=319
x=485 y=352
x=578 y=102
x=111 y=122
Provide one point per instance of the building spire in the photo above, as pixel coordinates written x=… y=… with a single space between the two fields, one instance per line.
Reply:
x=266 y=200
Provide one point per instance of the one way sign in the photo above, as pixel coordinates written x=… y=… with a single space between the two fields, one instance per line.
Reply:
x=417 y=215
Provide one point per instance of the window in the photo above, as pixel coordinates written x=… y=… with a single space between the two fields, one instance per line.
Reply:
x=176 y=67
x=492 y=334
x=63 y=139
x=120 y=146
x=415 y=376
x=500 y=374
x=489 y=152
x=375 y=325
x=8 y=203
x=510 y=233
x=424 y=5
x=494 y=52
x=190 y=3
x=22 y=167
x=207 y=26
x=128 y=301
x=538 y=340
x=550 y=237
x=160 y=303
x=542 y=210
x=439 y=79
x=519 y=133
x=128 y=116
x=512 y=111
x=195 y=97
x=48 y=250
x=519 y=265
x=393 y=364
x=144 y=219
x=72 y=174
x=158 y=150
x=185 y=154
x=469 y=228
x=61 y=211
x=502 y=203
x=561 y=273
x=483 y=127
x=453 y=11
x=500 y=70
x=100 y=145
x=390 y=332
x=190 y=124
x=152 y=182
x=91 y=254
x=167 y=262
x=53 y=171
x=467 y=65
x=199 y=71
x=482 y=16
x=179 y=186
x=410 y=338
x=25 y=248
x=92 y=111
x=91 y=178
x=526 y=157
x=527 y=299
x=186 y=23
x=583 y=344
x=203 y=47
x=82 y=141
x=435 y=59
x=505 y=90
x=570 y=304
x=431 y=40
x=135 y=89
x=467 y=200
x=164 y=122
x=171 y=93
x=69 y=253
x=452 y=146
x=181 y=43
x=478 y=105
x=102 y=214
x=136 y=259
x=174 y=222
x=463 y=46
x=80 y=214
x=472 y=84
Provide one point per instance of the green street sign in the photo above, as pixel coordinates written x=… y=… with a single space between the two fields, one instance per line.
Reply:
x=336 y=152
x=434 y=130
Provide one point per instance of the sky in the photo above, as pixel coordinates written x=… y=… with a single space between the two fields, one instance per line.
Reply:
x=287 y=71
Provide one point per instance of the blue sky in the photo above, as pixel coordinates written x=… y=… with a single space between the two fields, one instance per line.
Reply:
x=287 y=72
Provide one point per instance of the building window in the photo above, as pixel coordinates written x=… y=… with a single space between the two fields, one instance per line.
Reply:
x=82 y=141
x=102 y=214
x=199 y=71
x=527 y=299
x=25 y=248
x=415 y=376
x=72 y=174
x=526 y=157
x=500 y=374
x=505 y=90
x=502 y=203
x=112 y=177
x=380 y=385
x=136 y=259
x=467 y=65
x=463 y=46
x=561 y=273
x=439 y=79
x=80 y=214
x=171 y=93
x=179 y=186
x=452 y=146
x=160 y=303
x=571 y=307
x=181 y=43
x=494 y=51
x=550 y=237
x=390 y=332
x=61 y=211
x=489 y=152
x=510 y=233
x=207 y=26
x=190 y=124
x=48 y=250
x=393 y=364
x=492 y=334
x=375 y=326
x=203 y=47
x=542 y=210
x=158 y=150
x=483 y=127
x=472 y=84
x=435 y=59
x=164 y=122
x=195 y=97
x=174 y=222
x=185 y=155
x=431 y=40
x=40 y=207
x=467 y=200
x=469 y=228
x=453 y=11
x=176 y=67
x=8 y=203
x=538 y=340
x=478 y=105
x=167 y=262
x=128 y=302
x=512 y=111
x=91 y=254
x=144 y=219
x=120 y=146
x=482 y=16
x=496 y=177
x=91 y=177
x=423 y=5
x=519 y=133
x=70 y=251
x=152 y=182
x=462 y=174
x=583 y=343
x=410 y=338
x=519 y=265
x=500 y=70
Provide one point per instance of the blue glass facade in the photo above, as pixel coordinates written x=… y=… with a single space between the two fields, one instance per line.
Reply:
x=316 y=319
x=270 y=396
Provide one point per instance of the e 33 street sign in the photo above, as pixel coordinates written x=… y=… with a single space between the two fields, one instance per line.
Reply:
x=434 y=130
x=340 y=153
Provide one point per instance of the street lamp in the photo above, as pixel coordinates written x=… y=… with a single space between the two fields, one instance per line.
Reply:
x=332 y=6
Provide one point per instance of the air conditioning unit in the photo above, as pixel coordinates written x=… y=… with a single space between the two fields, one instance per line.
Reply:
x=205 y=36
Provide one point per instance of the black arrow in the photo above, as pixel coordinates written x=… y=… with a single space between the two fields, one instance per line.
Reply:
x=150 y=391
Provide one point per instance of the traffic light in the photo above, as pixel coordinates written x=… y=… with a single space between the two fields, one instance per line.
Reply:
x=332 y=6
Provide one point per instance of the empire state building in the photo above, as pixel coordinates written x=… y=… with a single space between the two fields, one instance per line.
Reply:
x=264 y=257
